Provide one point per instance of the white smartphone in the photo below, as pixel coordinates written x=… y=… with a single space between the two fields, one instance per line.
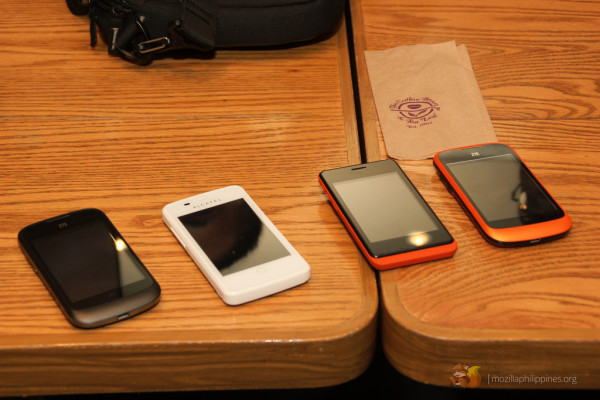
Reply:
x=235 y=245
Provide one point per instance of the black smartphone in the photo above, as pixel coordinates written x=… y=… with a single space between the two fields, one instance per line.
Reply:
x=505 y=200
x=386 y=215
x=92 y=273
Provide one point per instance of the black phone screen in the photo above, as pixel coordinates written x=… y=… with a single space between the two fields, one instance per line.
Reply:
x=503 y=191
x=233 y=236
x=384 y=208
x=88 y=261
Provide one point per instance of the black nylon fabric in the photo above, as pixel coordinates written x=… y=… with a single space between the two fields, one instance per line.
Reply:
x=139 y=30
x=272 y=22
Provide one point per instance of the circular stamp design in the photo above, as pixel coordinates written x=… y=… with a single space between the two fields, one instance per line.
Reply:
x=416 y=112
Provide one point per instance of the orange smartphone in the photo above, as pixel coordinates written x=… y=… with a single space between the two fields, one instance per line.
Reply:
x=503 y=198
x=386 y=215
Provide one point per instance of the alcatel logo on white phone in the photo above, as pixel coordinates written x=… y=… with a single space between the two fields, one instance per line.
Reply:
x=208 y=203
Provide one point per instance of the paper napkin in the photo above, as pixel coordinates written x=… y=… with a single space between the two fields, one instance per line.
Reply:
x=427 y=100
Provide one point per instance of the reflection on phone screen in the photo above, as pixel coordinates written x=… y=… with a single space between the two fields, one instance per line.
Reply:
x=502 y=190
x=88 y=260
x=385 y=207
x=233 y=236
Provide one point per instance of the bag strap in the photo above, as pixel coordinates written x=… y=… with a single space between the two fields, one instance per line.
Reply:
x=139 y=29
x=198 y=22
x=195 y=27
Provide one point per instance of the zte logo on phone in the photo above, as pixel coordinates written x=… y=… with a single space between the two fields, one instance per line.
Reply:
x=475 y=154
x=62 y=225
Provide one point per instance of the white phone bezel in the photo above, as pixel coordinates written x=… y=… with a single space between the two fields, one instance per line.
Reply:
x=242 y=286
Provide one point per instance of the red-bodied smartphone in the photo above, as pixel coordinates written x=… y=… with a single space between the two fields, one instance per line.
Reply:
x=386 y=215
x=504 y=199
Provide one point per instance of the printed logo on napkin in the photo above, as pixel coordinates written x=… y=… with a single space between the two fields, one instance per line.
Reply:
x=416 y=112
x=427 y=100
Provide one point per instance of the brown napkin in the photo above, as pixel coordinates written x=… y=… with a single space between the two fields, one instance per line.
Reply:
x=427 y=100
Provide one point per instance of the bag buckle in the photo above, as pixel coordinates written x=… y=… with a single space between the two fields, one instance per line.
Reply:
x=153 y=45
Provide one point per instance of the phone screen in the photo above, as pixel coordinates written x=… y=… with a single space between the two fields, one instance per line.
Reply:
x=385 y=207
x=503 y=191
x=233 y=236
x=89 y=260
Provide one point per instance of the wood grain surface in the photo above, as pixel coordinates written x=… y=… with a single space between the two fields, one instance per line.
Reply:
x=79 y=128
x=529 y=317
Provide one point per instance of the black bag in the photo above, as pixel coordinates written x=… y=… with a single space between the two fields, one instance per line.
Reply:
x=139 y=30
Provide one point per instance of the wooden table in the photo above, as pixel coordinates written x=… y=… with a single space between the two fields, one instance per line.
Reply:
x=79 y=128
x=528 y=314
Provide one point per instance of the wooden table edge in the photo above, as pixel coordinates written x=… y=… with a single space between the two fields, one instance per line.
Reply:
x=411 y=344
x=324 y=357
